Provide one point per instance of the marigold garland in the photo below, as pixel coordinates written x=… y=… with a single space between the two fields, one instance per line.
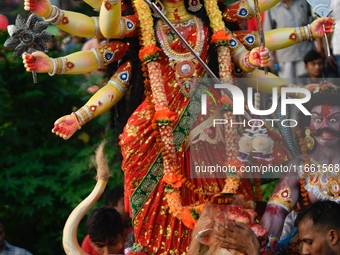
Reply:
x=225 y=65
x=163 y=117
x=214 y=15
x=149 y=53
x=187 y=214
x=258 y=190
x=146 y=23
x=303 y=146
x=231 y=185
x=221 y=37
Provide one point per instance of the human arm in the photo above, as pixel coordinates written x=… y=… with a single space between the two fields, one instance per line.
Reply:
x=237 y=236
x=99 y=103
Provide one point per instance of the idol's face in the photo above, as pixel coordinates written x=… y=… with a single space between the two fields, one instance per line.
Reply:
x=325 y=125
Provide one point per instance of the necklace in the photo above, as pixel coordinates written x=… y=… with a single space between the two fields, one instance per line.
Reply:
x=164 y=35
x=183 y=63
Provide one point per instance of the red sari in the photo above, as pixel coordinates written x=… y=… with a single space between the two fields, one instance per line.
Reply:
x=155 y=228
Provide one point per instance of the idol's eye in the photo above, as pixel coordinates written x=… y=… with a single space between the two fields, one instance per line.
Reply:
x=318 y=120
x=333 y=120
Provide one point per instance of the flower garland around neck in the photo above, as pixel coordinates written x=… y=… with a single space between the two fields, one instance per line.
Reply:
x=306 y=158
x=221 y=37
x=163 y=117
x=162 y=120
x=161 y=123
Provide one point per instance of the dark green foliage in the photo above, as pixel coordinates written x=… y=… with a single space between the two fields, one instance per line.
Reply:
x=43 y=177
x=267 y=189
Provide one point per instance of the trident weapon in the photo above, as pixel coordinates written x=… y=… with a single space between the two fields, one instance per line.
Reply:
x=322 y=9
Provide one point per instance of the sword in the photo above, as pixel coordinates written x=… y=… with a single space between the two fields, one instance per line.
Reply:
x=187 y=45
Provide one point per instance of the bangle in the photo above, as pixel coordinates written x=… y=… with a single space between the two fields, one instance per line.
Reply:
x=75 y=115
x=84 y=115
x=310 y=32
x=96 y=27
x=303 y=33
x=53 y=13
x=305 y=28
x=59 y=66
x=55 y=66
x=63 y=65
x=97 y=57
x=246 y=61
x=298 y=33
x=59 y=16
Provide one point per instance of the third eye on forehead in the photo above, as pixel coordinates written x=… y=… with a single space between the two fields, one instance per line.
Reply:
x=322 y=115
x=325 y=110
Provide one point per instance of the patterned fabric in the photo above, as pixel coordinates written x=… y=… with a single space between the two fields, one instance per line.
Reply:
x=154 y=227
x=13 y=250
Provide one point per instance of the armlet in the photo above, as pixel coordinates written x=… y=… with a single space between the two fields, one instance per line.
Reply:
x=249 y=39
x=239 y=11
x=128 y=26
x=283 y=198
x=110 y=52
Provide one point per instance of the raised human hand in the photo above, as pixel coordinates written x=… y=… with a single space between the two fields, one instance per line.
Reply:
x=317 y=27
x=259 y=56
x=237 y=236
x=66 y=126
x=38 y=62
x=41 y=8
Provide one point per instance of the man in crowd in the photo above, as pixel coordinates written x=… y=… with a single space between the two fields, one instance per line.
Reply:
x=318 y=227
x=113 y=198
x=315 y=68
x=5 y=247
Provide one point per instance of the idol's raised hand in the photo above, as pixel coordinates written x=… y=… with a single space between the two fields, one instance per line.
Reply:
x=259 y=56
x=41 y=8
x=66 y=126
x=38 y=62
x=317 y=27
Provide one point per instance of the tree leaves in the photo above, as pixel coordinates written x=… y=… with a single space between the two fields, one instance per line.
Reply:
x=43 y=177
